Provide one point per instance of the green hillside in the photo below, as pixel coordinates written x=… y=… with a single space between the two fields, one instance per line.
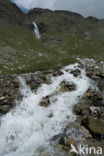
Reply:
x=65 y=36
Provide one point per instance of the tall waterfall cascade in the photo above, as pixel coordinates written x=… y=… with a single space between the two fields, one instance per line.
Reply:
x=36 y=30
x=27 y=130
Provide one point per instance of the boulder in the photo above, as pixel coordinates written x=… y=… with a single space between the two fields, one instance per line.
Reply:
x=57 y=73
x=67 y=86
x=96 y=125
x=4 y=108
x=76 y=72
x=82 y=108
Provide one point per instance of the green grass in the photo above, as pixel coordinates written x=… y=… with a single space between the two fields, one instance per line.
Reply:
x=23 y=52
x=78 y=46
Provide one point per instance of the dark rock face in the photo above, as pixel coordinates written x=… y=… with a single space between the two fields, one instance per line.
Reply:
x=92 y=19
x=12 y=14
x=64 y=22
x=38 y=12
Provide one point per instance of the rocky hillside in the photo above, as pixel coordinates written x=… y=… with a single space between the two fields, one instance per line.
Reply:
x=64 y=37
x=10 y=13
x=70 y=32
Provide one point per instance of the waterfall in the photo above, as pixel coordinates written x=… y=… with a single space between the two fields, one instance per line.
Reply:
x=36 y=30
x=27 y=129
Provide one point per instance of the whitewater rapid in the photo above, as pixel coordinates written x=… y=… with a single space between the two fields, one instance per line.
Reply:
x=27 y=129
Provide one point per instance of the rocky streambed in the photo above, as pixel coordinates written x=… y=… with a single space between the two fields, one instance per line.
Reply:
x=65 y=106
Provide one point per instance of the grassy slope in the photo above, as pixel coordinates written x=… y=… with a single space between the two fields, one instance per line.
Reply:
x=84 y=39
x=21 y=52
x=77 y=46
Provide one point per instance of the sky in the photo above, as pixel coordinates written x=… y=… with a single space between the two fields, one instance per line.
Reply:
x=84 y=7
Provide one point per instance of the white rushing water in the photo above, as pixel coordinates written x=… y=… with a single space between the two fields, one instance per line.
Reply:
x=36 y=30
x=27 y=128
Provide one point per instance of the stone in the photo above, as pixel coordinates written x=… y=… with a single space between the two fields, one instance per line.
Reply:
x=89 y=93
x=96 y=125
x=82 y=108
x=16 y=83
x=8 y=83
x=67 y=86
x=2 y=98
x=45 y=101
x=57 y=73
x=5 y=108
x=50 y=115
x=76 y=72
x=69 y=141
x=86 y=132
x=101 y=85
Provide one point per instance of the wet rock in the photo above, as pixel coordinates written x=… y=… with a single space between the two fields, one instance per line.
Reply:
x=45 y=101
x=65 y=143
x=82 y=108
x=86 y=132
x=91 y=111
x=96 y=124
x=50 y=115
x=101 y=85
x=69 y=141
x=16 y=83
x=97 y=100
x=34 y=81
x=76 y=72
x=95 y=97
x=72 y=125
x=57 y=73
x=9 y=90
x=2 y=98
x=90 y=93
x=4 y=108
x=67 y=86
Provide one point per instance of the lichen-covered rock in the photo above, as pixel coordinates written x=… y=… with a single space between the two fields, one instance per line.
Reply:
x=67 y=86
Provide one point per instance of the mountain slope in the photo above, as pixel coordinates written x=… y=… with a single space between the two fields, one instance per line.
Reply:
x=20 y=50
x=70 y=32
x=12 y=14
x=64 y=37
